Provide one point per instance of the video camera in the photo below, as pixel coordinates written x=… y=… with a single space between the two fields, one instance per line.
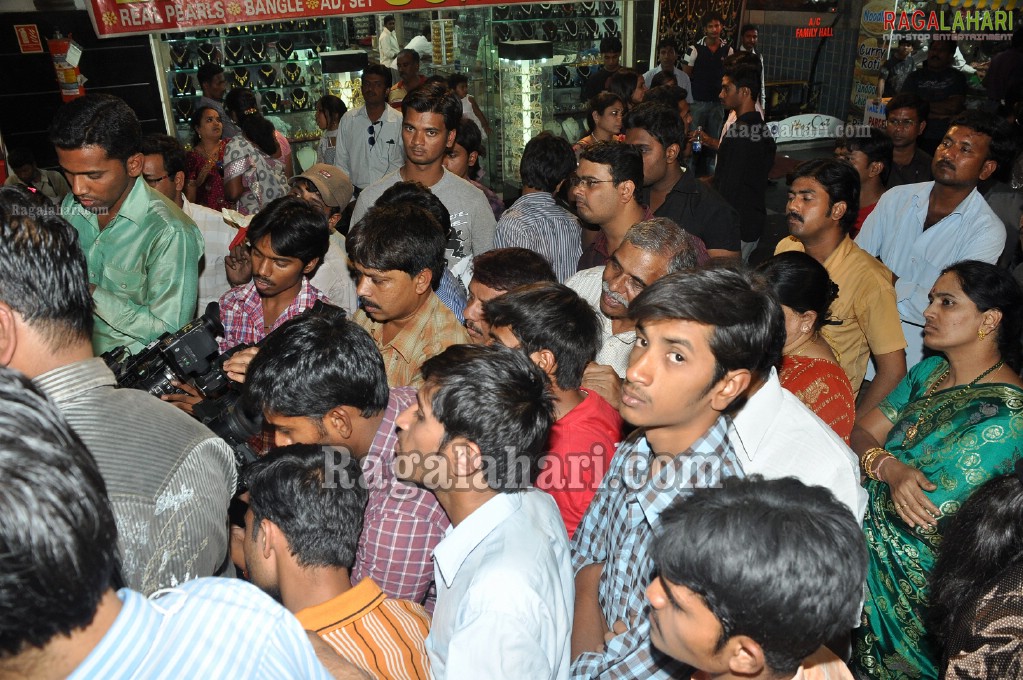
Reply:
x=192 y=355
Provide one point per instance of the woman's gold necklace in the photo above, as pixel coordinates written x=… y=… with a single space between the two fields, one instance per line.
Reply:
x=914 y=429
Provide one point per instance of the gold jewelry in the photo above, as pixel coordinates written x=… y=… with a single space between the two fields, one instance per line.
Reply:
x=299 y=98
x=914 y=429
x=258 y=50
x=284 y=48
x=981 y=333
x=241 y=77
x=268 y=74
x=272 y=101
x=234 y=51
x=206 y=50
x=179 y=55
x=293 y=73
x=868 y=459
x=182 y=84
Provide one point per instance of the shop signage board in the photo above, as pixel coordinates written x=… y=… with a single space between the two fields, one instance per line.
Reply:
x=127 y=17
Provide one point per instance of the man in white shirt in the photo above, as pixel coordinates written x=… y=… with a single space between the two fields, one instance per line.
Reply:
x=667 y=58
x=163 y=169
x=388 y=43
x=369 y=143
x=505 y=587
x=917 y=230
x=421 y=43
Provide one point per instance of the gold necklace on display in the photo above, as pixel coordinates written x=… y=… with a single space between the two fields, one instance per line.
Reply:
x=914 y=429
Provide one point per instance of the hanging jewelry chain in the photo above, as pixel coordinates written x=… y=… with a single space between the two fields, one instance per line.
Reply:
x=914 y=429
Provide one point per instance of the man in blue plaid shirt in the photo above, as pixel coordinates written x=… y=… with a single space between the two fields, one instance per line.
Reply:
x=701 y=336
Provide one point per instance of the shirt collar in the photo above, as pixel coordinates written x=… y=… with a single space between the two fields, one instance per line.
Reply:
x=406 y=342
x=68 y=381
x=135 y=207
x=128 y=640
x=349 y=606
x=461 y=540
x=751 y=423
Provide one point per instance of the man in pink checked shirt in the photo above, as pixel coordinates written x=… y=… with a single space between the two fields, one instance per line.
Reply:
x=320 y=379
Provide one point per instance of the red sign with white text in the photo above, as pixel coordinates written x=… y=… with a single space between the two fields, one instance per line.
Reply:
x=29 y=40
x=126 y=17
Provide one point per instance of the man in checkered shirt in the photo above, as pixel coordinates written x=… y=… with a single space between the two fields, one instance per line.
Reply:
x=700 y=336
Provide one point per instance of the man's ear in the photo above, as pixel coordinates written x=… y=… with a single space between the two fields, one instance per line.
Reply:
x=134 y=164
x=545 y=360
x=179 y=181
x=8 y=334
x=333 y=220
x=745 y=656
x=838 y=210
x=729 y=388
x=875 y=168
x=626 y=190
x=451 y=139
x=988 y=169
x=473 y=157
x=423 y=281
x=311 y=266
x=672 y=152
x=339 y=422
x=268 y=536
x=466 y=457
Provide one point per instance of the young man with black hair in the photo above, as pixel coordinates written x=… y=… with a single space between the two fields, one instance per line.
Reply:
x=535 y=220
x=476 y=438
x=213 y=83
x=692 y=363
x=369 y=143
x=896 y=69
x=320 y=379
x=64 y=617
x=387 y=42
x=462 y=158
x=494 y=273
x=25 y=172
x=919 y=229
x=606 y=189
x=704 y=64
x=749 y=36
x=718 y=602
x=871 y=155
x=746 y=153
x=147 y=451
x=163 y=169
x=302 y=530
x=397 y=253
x=560 y=332
x=821 y=211
x=143 y=252
x=611 y=54
x=431 y=115
x=906 y=119
x=409 y=77
x=288 y=239
x=667 y=62
x=671 y=190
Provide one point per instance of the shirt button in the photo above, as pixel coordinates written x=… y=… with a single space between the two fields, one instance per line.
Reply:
x=124 y=285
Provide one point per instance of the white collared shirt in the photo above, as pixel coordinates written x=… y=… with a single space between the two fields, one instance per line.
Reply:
x=218 y=235
x=505 y=593
x=615 y=349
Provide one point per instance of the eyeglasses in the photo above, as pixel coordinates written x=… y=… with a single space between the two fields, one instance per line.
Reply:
x=901 y=122
x=153 y=181
x=372 y=134
x=587 y=182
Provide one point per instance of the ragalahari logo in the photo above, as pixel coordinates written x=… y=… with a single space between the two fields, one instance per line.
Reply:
x=979 y=24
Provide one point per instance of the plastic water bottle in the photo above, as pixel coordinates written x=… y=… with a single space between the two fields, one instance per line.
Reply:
x=697 y=144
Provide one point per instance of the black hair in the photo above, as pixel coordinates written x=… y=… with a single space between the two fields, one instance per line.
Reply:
x=550 y=316
x=296 y=229
x=207 y=72
x=508 y=268
x=498 y=399
x=168 y=148
x=840 y=180
x=623 y=83
x=662 y=235
x=610 y=44
x=434 y=98
x=623 y=160
x=910 y=100
x=19 y=158
x=669 y=95
x=746 y=28
x=315 y=362
x=666 y=42
x=416 y=57
x=59 y=536
x=436 y=78
x=101 y=120
x=379 y=70
x=414 y=193
x=320 y=517
x=1002 y=145
x=800 y=283
x=389 y=17
x=775 y=560
x=333 y=108
x=711 y=16
x=749 y=326
x=457 y=79
x=196 y=121
x=743 y=69
x=981 y=542
x=876 y=145
x=659 y=121
x=241 y=101
x=661 y=78
x=469 y=136
x=403 y=237
x=547 y=161
x=45 y=277
x=992 y=287
x=599 y=103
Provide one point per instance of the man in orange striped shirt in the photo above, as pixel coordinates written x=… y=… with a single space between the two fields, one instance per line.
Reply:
x=301 y=532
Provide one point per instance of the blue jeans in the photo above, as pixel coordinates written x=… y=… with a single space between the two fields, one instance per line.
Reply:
x=711 y=117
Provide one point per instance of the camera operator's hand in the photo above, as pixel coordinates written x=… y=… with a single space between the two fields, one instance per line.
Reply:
x=238 y=365
x=239 y=266
x=187 y=401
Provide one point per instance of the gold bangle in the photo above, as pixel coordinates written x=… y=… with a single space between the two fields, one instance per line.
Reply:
x=868 y=459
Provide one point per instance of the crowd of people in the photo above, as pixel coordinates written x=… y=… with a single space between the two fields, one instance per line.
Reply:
x=576 y=436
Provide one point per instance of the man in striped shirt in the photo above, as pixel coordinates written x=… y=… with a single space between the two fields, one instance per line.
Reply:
x=301 y=534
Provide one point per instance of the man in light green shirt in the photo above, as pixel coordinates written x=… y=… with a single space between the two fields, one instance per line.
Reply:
x=142 y=250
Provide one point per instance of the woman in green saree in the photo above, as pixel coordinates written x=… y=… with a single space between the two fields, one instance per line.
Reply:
x=953 y=423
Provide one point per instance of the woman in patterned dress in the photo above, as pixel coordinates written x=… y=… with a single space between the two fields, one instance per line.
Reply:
x=257 y=163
